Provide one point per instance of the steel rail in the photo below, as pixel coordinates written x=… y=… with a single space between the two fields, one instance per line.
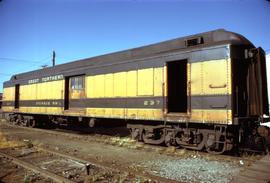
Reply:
x=68 y=133
x=87 y=162
x=36 y=169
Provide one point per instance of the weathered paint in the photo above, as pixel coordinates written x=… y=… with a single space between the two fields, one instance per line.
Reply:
x=145 y=89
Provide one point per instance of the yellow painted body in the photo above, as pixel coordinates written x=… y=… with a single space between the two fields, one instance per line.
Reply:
x=204 y=78
x=145 y=82
x=211 y=77
x=43 y=91
x=8 y=95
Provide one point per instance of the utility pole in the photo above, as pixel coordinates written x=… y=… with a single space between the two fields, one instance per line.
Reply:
x=53 y=59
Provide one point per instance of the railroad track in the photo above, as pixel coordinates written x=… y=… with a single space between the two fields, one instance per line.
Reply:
x=111 y=170
x=70 y=168
x=63 y=168
x=49 y=165
x=106 y=139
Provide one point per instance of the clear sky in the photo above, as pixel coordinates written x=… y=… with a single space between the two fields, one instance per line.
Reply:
x=31 y=29
x=268 y=76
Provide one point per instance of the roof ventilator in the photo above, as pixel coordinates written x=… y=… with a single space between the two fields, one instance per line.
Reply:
x=194 y=41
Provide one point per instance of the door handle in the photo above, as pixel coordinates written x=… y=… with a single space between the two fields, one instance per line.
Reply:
x=218 y=107
x=217 y=86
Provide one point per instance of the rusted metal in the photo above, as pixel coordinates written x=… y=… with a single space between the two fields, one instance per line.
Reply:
x=36 y=169
x=257 y=83
x=87 y=167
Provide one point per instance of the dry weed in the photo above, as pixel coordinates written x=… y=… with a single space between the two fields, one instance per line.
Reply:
x=5 y=143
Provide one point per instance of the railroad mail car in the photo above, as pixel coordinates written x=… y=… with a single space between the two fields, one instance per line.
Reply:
x=178 y=91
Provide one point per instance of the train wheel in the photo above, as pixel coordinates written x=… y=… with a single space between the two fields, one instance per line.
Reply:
x=146 y=136
x=135 y=133
x=32 y=123
x=216 y=146
x=12 y=119
x=169 y=139
x=19 y=121
x=24 y=122
x=264 y=132
x=153 y=138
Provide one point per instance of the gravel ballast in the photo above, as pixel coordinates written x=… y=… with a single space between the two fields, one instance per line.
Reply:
x=194 y=169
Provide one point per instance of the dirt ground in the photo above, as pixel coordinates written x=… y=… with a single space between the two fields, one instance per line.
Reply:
x=125 y=154
x=12 y=173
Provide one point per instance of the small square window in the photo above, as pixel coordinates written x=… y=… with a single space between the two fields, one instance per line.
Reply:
x=77 y=83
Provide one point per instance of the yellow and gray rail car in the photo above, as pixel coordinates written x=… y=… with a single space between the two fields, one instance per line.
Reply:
x=202 y=91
